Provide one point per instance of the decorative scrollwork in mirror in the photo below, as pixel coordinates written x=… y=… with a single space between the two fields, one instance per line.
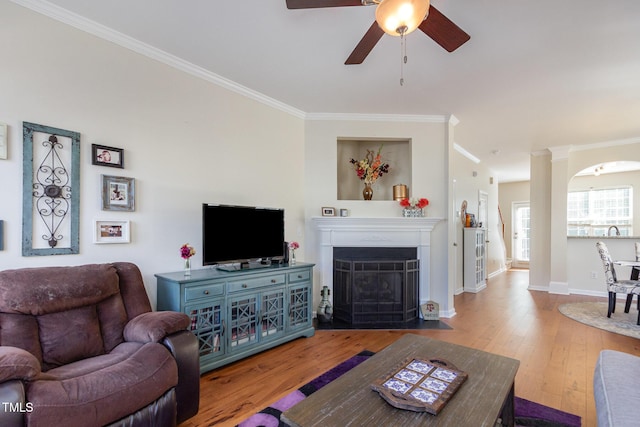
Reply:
x=51 y=191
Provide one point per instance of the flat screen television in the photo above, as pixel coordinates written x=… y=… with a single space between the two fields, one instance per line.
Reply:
x=236 y=237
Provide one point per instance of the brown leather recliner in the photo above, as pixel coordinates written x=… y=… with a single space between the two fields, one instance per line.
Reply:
x=80 y=346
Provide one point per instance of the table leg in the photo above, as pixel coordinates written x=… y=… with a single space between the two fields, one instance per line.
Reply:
x=507 y=414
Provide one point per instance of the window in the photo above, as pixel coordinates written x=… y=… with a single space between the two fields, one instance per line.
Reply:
x=592 y=212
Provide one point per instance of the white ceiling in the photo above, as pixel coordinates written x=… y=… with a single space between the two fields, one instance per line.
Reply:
x=535 y=74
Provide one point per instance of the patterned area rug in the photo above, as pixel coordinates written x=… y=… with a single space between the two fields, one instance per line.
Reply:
x=595 y=314
x=528 y=414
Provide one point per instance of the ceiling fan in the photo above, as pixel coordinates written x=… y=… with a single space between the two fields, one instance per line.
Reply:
x=437 y=26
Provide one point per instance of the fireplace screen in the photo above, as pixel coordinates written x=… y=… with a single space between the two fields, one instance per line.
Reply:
x=375 y=291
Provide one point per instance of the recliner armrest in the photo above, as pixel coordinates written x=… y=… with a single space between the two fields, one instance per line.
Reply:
x=153 y=326
x=184 y=347
x=17 y=364
x=14 y=405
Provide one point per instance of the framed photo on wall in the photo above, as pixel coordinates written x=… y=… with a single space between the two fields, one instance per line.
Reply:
x=111 y=232
x=102 y=155
x=118 y=193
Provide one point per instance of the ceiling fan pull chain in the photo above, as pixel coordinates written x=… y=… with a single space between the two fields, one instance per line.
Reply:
x=403 y=57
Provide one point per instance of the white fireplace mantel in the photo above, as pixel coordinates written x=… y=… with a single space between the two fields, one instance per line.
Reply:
x=375 y=232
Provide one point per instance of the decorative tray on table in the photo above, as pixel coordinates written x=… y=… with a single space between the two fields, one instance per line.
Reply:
x=420 y=385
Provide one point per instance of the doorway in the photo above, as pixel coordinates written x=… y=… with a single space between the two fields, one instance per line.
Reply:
x=521 y=247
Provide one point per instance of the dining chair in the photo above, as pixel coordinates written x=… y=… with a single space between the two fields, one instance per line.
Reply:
x=615 y=286
x=635 y=272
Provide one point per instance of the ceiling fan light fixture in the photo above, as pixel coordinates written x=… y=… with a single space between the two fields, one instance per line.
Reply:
x=401 y=17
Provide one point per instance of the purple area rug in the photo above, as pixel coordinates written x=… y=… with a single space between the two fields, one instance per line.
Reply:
x=528 y=414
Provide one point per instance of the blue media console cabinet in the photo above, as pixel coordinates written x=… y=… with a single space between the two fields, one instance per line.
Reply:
x=239 y=313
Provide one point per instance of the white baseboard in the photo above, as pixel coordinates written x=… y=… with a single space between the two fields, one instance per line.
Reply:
x=561 y=288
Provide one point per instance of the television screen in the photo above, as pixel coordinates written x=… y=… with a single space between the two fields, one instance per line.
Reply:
x=241 y=233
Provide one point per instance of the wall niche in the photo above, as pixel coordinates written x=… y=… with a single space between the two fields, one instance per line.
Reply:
x=395 y=152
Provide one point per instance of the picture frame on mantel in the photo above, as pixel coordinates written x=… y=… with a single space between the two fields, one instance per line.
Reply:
x=118 y=193
x=328 y=211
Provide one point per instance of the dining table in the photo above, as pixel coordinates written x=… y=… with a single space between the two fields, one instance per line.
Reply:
x=627 y=263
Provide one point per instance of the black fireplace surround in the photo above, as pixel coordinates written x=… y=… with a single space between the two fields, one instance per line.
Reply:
x=373 y=286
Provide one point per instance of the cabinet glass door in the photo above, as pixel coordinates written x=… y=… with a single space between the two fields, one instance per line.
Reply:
x=272 y=316
x=243 y=320
x=299 y=306
x=207 y=325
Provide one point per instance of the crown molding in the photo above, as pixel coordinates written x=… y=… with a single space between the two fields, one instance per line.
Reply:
x=606 y=144
x=560 y=152
x=89 y=26
x=407 y=118
x=465 y=153
x=66 y=17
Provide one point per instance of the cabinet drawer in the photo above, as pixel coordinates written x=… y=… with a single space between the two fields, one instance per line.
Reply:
x=299 y=276
x=204 y=291
x=241 y=285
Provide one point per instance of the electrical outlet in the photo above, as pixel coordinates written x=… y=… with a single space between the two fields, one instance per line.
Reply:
x=594 y=275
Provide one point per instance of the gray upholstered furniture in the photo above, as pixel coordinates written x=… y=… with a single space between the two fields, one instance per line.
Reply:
x=615 y=286
x=81 y=346
x=615 y=388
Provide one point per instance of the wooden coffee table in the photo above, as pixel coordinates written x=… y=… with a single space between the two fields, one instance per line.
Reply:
x=485 y=399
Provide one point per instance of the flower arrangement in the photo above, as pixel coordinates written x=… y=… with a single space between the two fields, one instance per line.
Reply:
x=292 y=247
x=414 y=203
x=371 y=167
x=187 y=251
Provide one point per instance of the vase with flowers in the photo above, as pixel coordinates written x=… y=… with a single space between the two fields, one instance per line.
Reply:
x=413 y=207
x=292 y=252
x=186 y=252
x=369 y=170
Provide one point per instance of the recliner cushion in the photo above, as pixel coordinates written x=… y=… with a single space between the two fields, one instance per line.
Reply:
x=94 y=392
x=69 y=335
x=46 y=290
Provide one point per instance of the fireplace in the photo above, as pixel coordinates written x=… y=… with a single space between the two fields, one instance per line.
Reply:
x=374 y=286
x=391 y=232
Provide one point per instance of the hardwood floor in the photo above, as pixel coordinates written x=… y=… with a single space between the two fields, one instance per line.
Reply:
x=557 y=355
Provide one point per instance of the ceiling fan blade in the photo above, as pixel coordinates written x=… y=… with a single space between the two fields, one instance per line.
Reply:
x=310 y=4
x=443 y=31
x=371 y=37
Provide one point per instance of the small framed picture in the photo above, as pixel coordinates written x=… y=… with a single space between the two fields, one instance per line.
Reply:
x=107 y=231
x=102 y=155
x=118 y=193
x=328 y=211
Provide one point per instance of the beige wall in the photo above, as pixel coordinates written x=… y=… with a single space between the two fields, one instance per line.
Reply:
x=429 y=179
x=185 y=141
x=471 y=178
x=558 y=263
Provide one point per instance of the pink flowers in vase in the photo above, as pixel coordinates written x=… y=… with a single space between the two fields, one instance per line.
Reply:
x=292 y=248
x=187 y=251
